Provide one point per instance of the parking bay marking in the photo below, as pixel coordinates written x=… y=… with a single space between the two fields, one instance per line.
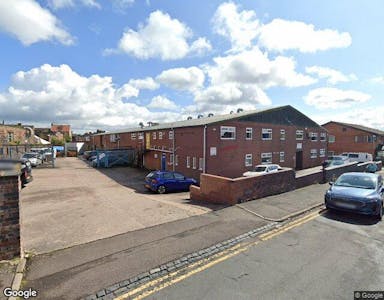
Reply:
x=158 y=284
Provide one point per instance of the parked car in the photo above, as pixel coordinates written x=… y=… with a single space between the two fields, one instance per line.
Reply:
x=336 y=160
x=357 y=192
x=262 y=169
x=371 y=168
x=357 y=156
x=34 y=158
x=88 y=154
x=166 y=181
x=25 y=168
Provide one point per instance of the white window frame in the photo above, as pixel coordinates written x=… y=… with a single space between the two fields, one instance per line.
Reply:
x=133 y=136
x=230 y=129
x=188 y=161
x=299 y=132
x=201 y=163
x=323 y=137
x=313 y=153
x=331 y=139
x=194 y=162
x=266 y=155
x=322 y=152
x=248 y=133
x=248 y=160
x=282 y=134
x=141 y=135
x=113 y=138
x=154 y=135
x=10 y=137
x=160 y=135
x=171 y=134
x=266 y=131
x=282 y=156
x=313 y=136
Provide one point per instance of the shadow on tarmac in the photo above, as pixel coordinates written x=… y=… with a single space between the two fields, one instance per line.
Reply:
x=351 y=218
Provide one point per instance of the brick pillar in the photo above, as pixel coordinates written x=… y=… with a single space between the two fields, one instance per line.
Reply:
x=9 y=215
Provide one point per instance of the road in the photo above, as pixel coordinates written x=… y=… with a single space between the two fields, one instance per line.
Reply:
x=327 y=256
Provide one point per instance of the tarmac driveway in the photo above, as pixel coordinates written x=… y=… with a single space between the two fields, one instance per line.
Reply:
x=74 y=204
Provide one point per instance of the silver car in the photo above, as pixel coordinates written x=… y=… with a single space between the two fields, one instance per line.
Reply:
x=34 y=158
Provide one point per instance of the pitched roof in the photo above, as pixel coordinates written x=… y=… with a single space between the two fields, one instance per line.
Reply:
x=207 y=120
x=358 y=127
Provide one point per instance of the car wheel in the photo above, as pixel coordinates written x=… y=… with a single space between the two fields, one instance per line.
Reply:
x=380 y=215
x=161 y=189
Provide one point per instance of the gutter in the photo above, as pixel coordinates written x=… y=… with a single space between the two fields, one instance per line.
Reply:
x=204 y=149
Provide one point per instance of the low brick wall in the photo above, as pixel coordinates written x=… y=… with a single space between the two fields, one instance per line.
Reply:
x=9 y=215
x=223 y=190
x=230 y=191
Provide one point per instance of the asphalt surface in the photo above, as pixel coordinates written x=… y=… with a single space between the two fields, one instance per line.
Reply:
x=85 y=269
x=328 y=257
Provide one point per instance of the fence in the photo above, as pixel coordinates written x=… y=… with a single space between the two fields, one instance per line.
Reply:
x=116 y=157
x=48 y=153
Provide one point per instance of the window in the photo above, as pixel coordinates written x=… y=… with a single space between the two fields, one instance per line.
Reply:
x=10 y=137
x=113 y=138
x=323 y=136
x=201 y=163
x=313 y=136
x=87 y=138
x=331 y=139
x=282 y=134
x=248 y=160
x=133 y=136
x=176 y=160
x=160 y=135
x=178 y=176
x=248 y=133
x=154 y=135
x=188 y=162
x=171 y=159
x=170 y=135
x=168 y=176
x=141 y=135
x=227 y=133
x=322 y=152
x=266 y=134
x=299 y=135
x=194 y=162
x=313 y=153
x=266 y=158
x=282 y=156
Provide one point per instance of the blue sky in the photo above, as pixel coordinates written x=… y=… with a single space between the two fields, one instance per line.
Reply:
x=112 y=64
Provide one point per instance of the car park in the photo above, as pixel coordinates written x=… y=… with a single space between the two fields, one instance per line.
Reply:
x=34 y=158
x=357 y=192
x=167 y=181
x=262 y=169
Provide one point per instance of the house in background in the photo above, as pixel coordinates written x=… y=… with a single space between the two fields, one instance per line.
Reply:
x=345 y=137
x=225 y=145
x=58 y=132
x=16 y=134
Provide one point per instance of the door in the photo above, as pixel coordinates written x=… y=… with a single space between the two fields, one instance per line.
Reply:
x=163 y=161
x=181 y=181
x=299 y=160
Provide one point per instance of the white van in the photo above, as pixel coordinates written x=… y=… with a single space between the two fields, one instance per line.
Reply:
x=358 y=156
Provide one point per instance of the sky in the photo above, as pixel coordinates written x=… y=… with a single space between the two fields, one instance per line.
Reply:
x=98 y=64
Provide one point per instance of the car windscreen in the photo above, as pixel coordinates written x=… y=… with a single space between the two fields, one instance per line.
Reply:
x=29 y=155
x=357 y=181
x=260 y=169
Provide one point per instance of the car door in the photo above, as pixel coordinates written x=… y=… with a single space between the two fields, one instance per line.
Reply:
x=182 y=182
x=169 y=181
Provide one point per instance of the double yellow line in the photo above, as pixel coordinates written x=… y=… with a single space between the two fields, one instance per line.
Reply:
x=158 y=284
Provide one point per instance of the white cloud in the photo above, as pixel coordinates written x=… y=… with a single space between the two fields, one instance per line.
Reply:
x=283 y=35
x=144 y=84
x=59 y=4
x=378 y=79
x=161 y=37
x=163 y=103
x=332 y=76
x=334 y=98
x=239 y=27
x=59 y=94
x=30 y=23
x=182 y=78
x=254 y=67
x=122 y=5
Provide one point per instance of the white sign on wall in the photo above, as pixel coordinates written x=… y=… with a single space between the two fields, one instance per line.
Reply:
x=213 y=151
x=299 y=146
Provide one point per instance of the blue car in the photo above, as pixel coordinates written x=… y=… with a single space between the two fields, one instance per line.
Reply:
x=166 y=181
x=357 y=192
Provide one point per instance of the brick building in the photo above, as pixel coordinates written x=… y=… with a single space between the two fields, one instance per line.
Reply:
x=345 y=137
x=14 y=134
x=225 y=145
x=61 y=132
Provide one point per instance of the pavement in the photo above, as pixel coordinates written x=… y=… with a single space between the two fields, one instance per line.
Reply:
x=7 y=272
x=74 y=204
x=84 y=269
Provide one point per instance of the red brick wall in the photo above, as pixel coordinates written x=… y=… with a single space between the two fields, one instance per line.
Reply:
x=9 y=217
x=345 y=139
x=18 y=134
x=217 y=189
